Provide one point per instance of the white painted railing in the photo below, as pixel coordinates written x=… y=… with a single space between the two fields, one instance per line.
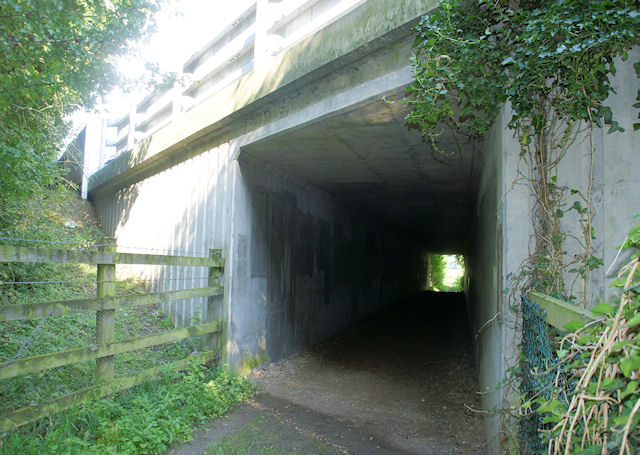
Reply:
x=262 y=31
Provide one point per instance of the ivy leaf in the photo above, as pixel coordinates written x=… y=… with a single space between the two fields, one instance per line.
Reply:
x=555 y=406
x=572 y=326
x=634 y=321
x=631 y=388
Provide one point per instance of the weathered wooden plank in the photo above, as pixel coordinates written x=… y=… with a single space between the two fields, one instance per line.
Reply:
x=19 y=311
x=106 y=319
x=58 y=359
x=28 y=414
x=44 y=255
x=212 y=341
x=559 y=313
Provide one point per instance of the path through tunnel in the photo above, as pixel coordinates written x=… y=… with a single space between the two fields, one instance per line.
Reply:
x=341 y=216
x=404 y=378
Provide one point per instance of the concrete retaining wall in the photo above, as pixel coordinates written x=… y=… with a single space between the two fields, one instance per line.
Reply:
x=503 y=236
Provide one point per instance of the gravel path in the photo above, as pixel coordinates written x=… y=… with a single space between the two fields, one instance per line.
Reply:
x=401 y=382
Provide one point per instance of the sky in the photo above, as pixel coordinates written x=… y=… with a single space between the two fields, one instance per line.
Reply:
x=183 y=26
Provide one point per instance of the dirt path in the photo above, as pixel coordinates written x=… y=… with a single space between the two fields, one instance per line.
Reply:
x=396 y=383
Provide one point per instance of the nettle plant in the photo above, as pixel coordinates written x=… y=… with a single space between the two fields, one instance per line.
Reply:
x=551 y=62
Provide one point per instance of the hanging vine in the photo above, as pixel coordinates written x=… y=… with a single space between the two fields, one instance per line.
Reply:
x=551 y=62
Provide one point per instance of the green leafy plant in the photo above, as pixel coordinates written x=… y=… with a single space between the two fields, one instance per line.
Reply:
x=600 y=365
x=57 y=55
x=147 y=419
x=550 y=61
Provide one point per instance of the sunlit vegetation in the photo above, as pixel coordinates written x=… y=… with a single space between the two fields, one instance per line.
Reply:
x=446 y=272
x=146 y=419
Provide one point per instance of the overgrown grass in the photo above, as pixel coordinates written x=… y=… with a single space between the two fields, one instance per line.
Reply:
x=64 y=218
x=61 y=217
x=102 y=426
x=147 y=419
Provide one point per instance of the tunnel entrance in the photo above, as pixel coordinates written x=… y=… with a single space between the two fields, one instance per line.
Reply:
x=342 y=215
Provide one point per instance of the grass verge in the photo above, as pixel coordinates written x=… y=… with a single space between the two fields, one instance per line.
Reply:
x=146 y=419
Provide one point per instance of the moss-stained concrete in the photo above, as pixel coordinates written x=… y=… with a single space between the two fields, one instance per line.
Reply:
x=249 y=362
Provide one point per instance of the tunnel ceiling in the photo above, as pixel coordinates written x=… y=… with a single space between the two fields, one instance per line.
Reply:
x=369 y=160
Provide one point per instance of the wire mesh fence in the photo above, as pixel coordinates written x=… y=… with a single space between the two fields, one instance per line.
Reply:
x=539 y=374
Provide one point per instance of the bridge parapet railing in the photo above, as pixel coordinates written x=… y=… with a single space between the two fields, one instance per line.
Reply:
x=292 y=21
x=105 y=305
x=263 y=30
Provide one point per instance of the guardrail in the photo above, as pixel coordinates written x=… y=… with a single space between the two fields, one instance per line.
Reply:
x=105 y=305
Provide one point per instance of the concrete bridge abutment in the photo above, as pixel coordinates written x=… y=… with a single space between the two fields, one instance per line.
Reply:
x=326 y=206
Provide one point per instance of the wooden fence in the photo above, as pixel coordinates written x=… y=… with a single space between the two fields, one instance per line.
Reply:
x=105 y=305
x=559 y=313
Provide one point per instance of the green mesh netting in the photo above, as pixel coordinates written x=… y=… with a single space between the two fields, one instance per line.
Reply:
x=537 y=356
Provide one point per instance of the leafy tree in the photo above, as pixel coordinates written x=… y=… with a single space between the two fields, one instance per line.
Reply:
x=58 y=55
x=550 y=60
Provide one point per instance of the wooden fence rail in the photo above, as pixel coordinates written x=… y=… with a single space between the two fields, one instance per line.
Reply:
x=559 y=312
x=105 y=305
x=19 y=311
x=45 y=255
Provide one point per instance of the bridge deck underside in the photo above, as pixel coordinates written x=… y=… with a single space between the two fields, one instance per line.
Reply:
x=369 y=160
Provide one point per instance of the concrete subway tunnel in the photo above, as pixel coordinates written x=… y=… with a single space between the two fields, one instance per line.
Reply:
x=340 y=217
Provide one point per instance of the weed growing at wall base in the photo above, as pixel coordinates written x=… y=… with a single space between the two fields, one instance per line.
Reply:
x=147 y=419
x=593 y=406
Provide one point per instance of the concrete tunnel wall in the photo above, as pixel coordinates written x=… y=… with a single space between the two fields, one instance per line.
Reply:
x=306 y=266
x=502 y=235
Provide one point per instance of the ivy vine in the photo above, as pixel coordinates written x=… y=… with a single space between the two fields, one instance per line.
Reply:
x=551 y=61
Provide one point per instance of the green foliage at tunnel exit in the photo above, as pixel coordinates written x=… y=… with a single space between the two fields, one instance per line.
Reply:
x=57 y=56
x=446 y=272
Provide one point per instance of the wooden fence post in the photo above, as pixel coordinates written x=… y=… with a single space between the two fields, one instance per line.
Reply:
x=214 y=308
x=105 y=319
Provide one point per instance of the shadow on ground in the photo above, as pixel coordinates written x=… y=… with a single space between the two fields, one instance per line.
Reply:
x=400 y=382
